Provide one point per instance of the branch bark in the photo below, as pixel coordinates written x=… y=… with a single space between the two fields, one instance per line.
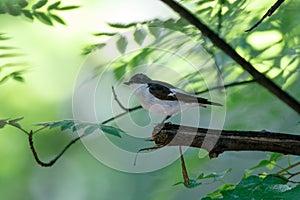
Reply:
x=221 y=44
x=226 y=140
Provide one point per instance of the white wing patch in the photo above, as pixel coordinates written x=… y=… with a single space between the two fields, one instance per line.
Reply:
x=177 y=90
x=171 y=94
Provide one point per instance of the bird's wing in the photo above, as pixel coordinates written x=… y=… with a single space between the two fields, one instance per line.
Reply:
x=165 y=91
x=161 y=91
x=189 y=98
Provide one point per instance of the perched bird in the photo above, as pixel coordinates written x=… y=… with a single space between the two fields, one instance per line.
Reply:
x=162 y=98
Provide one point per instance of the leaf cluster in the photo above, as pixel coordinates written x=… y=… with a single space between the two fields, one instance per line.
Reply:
x=141 y=30
x=40 y=10
x=11 y=67
x=254 y=187
x=64 y=125
x=88 y=127
x=224 y=17
x=214 y=176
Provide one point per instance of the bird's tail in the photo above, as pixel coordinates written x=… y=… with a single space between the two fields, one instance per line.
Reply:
x=214 y=103
x=206 y=102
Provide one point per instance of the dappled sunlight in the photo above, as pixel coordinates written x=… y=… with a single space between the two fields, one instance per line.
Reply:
x=260 y=40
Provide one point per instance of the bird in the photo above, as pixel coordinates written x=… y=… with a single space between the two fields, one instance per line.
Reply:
x=163 y=98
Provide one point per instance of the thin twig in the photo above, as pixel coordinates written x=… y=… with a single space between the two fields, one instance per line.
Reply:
x=183 y=168
x=121 y=114
x=226 y=48
x=288 y=168
x=118 y=101
x=50 y=163
x=293 y=175
x=38 y=130
x=145 y=149
x=267 y=14
x=226 y=86
x=19 y=127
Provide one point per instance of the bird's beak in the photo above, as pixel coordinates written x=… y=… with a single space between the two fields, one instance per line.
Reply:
x=126 y=83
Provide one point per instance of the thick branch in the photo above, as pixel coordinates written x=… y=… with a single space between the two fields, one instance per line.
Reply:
x=226 y=140
x=220 y=43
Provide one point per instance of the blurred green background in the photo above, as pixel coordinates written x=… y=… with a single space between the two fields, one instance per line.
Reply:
x=53 y=57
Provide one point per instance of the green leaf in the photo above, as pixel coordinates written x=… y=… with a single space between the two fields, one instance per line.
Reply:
x=254 y=187
x=2 y=37
x=54 y=124
x=13 y=10
x=193 y=183
x=39 y=4
x=261 y=164
x=178 y=183
x=57 y=18
x=63 y=124
x=292 y=194
x=43 y=18
x=14 y=75
x=23 y=3
x=155 y=31
x=19 y=78
x=275 y=156
x=214 y=175
x=122 y=26
x=90 y=129
x=139 y=35
x=104 y=34
x=7 y=48
x=120 y=71
x=111 y=130
x=90 y=48
x=3 y=122
x=3 y=9
x=122 y=44
x=27 y=14
x=14 y=122
x=269 y=164
x=79 y=126
x=5 y=78
x=67 y=8
x=54 y=6
x=66 y=124
x=13 y=64
x=218 y=193
x=45 y=124
x=9 y=55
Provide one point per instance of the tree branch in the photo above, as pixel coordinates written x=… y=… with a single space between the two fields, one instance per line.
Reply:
x=226 y=140
x=221 y=44
x=51 y=162
x=226 y=86
x=268 y=14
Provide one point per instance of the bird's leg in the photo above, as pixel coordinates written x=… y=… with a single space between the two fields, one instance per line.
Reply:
x=165 y=119
x=158 y=128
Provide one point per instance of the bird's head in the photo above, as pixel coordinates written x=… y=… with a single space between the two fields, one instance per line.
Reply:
x=138 y=79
